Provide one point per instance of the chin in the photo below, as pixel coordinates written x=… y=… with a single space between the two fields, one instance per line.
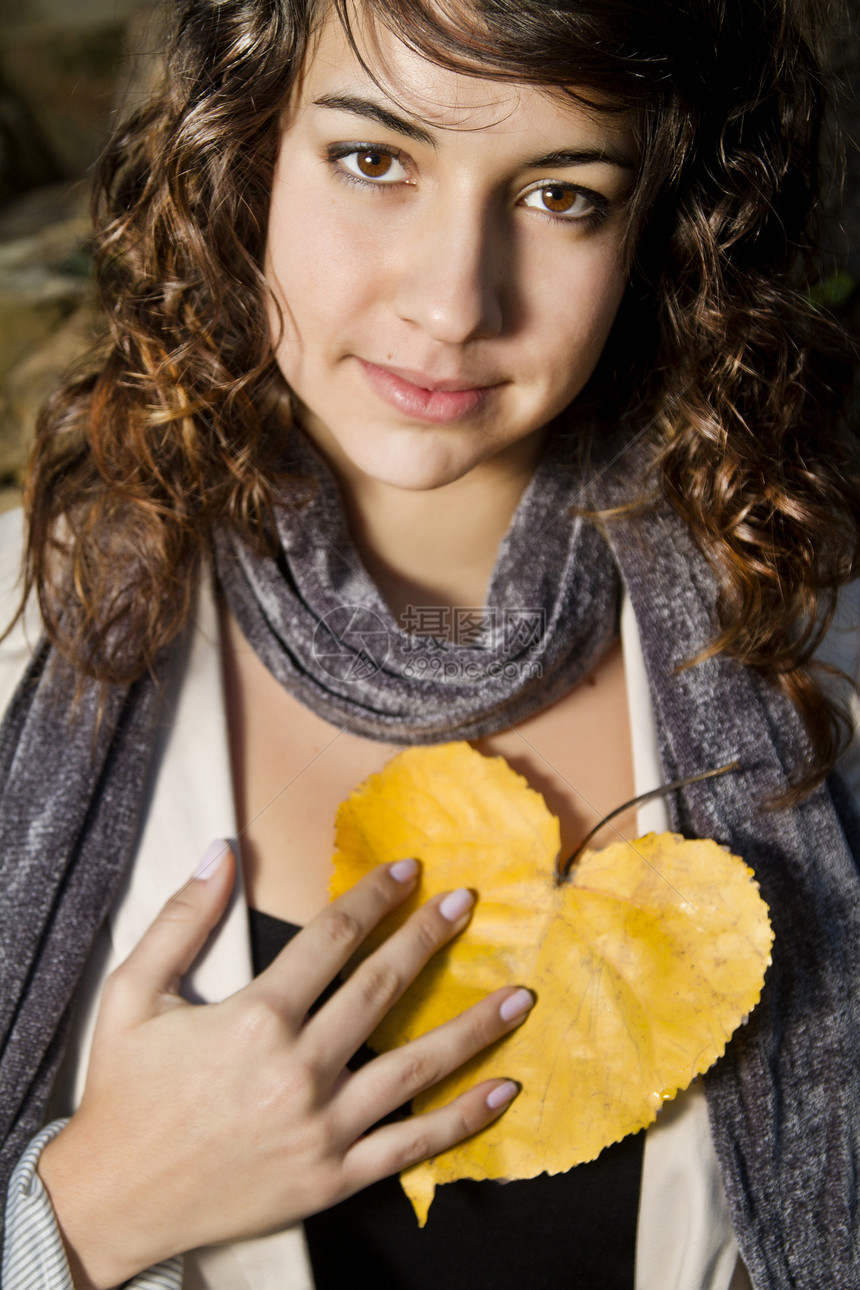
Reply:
x=412 y=460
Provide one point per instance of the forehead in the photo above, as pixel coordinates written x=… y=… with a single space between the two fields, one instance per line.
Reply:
x=385 y=70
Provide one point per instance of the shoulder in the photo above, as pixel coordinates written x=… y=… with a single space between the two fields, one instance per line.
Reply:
x=11 y=549
x=18 y=646
x=841 y=646
x=840 y=649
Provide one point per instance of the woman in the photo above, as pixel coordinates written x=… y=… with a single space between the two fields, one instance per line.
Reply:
x=396 y=294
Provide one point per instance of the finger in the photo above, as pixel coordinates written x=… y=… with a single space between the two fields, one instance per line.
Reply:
x=399 y=1075
x=341 y=1027
x=313 y=958
x=167 y=949
x=396 y=1146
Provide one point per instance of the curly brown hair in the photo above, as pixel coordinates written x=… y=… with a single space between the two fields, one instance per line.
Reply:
x=179 y=425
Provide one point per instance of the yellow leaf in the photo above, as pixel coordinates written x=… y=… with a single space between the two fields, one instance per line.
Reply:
x=643 y=964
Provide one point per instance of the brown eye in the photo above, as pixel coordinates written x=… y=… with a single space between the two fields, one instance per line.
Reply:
x=375 y=165
x=372 y=164
x=559 y=200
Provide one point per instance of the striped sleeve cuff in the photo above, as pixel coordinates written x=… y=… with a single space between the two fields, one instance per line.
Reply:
x=33 y=1254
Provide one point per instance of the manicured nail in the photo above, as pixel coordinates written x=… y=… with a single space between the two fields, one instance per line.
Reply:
x=403 y=870
x=456 y=903
x=516 y=1005
x=502 y=1094
x=210 y=863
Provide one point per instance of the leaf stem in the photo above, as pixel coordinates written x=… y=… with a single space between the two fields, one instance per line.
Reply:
x=563 y=872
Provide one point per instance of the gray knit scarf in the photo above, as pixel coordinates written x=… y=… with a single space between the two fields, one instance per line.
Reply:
x=319 y=624
x=784 y=1101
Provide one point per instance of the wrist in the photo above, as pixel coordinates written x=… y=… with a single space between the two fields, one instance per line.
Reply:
x=88 y=1208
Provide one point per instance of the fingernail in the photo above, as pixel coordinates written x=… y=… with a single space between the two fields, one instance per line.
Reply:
x=403 y=870
x=456 y=903
x=516 y=1005
x=215 y=853
x=502 y=1094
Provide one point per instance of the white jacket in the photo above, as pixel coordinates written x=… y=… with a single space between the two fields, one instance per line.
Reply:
x=684 y=1238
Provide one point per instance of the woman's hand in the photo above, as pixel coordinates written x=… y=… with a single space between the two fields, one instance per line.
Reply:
x=213 y=1123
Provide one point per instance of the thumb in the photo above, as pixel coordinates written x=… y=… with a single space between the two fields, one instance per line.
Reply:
x=169 y=946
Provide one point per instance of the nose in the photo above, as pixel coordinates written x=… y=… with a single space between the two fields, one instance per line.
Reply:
x=452 y=276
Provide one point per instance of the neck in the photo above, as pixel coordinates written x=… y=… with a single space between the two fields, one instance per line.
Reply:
x=434 y=548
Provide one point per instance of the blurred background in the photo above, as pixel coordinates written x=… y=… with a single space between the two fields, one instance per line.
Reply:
x=66 y=68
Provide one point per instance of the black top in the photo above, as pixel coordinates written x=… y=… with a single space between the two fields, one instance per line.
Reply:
x=571 y=1230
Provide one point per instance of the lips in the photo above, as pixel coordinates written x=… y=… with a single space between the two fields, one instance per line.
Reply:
x=425 y=398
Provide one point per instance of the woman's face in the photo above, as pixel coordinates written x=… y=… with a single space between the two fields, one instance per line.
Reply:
x=448 y=261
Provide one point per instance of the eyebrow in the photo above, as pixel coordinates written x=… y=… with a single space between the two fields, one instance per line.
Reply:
x=371 y=111
x=375 y=112
x=581 y=157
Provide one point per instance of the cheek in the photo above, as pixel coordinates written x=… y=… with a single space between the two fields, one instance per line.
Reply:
x=578 y=311
x=324 y=269
x=296 y=268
